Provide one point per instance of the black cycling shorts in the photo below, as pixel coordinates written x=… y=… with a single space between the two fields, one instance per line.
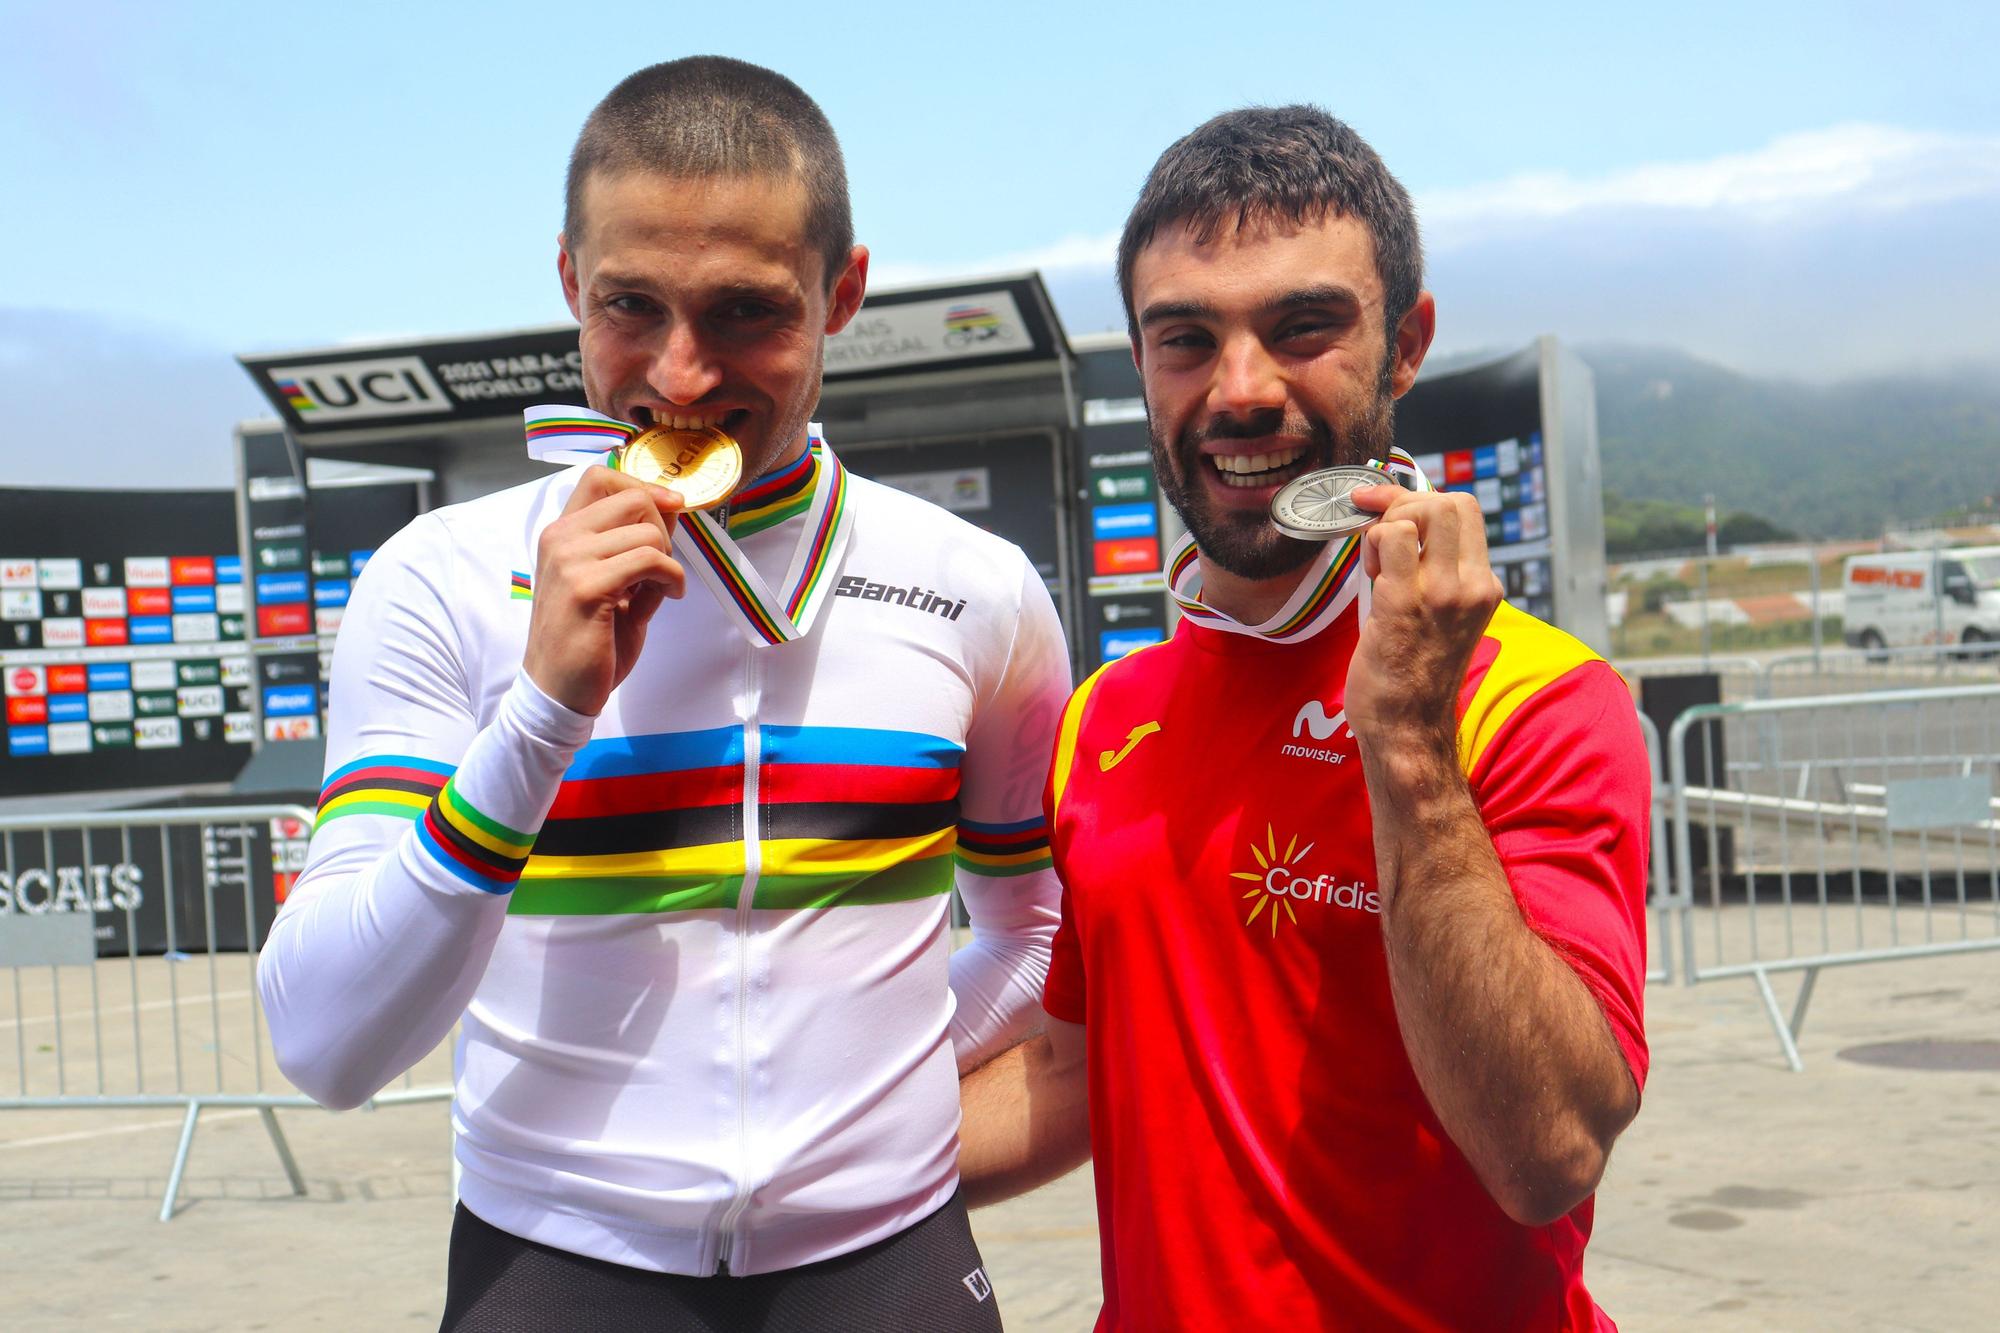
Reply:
x=926 y=1279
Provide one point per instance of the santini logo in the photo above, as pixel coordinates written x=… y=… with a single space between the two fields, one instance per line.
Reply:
x=917 y=599
x=1312 y=718
x=1282 y=880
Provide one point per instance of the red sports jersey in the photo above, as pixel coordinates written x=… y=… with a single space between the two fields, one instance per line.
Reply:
x=1264 y=1154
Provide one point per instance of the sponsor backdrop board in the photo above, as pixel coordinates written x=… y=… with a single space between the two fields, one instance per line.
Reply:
x=304 y=549
x=995 y=323
x=130 y=646
x=1519 y=433
x=122 y=648
x=1121 y=524
x=1000 y=483
x=421 y=384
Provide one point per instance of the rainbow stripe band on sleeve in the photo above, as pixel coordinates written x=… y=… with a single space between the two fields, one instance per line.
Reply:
x=1004 y=849
x=387 y=784
x=479 y=850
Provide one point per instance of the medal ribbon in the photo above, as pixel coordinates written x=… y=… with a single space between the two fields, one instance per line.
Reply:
x=765 y=616
x=563 y=434
x=1328 y=589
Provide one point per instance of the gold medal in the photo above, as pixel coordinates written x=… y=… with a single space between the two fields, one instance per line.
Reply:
x=702 y=465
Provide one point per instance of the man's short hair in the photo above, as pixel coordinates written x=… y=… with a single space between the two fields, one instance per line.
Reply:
x=712 y=116
x=1292 y=164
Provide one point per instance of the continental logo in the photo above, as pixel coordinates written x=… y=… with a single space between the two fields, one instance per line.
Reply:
x=1282 y=886
x=916 y=598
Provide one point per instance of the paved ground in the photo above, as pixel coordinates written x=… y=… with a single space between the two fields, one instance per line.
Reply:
x=1849 y=1197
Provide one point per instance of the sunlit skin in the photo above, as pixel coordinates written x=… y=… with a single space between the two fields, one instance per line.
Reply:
x=1265 y=341
x=702 y=300
x=701 y=303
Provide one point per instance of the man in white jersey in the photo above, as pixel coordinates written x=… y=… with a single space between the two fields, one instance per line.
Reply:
x=679 y=857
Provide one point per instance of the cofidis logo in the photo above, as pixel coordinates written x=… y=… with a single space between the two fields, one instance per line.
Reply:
x=1284 y=885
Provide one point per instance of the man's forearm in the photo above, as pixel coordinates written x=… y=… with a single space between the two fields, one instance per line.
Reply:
x=1510 y=1047
x=1026 y=1119
x=386 y=935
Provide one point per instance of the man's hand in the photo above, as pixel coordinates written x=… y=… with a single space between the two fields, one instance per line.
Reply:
x=601 y=570
x=1434 y=594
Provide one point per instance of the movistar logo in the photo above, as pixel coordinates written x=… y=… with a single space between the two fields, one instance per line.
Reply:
x=1281 y=881
x=1313 y=719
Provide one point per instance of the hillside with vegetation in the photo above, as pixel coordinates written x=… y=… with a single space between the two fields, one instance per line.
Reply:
x=1818 y=461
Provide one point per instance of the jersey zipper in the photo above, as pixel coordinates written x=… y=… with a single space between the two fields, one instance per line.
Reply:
x=753 y=864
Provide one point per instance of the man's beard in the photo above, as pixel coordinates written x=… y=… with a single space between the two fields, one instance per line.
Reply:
x=1245 y=542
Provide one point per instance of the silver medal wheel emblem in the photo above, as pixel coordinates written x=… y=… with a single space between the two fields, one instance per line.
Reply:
x=1317 y=507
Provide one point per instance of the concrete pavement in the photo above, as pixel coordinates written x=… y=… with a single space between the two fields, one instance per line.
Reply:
x=1850 y=1197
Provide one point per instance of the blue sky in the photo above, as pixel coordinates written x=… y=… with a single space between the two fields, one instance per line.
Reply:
x=1807 y=190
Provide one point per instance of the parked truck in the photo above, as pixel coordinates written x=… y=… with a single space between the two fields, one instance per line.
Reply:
x=1910 y=598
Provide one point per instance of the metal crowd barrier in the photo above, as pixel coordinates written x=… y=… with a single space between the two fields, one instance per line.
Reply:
x=78 y=898
x=1831 y=670
x=1660 y=884
x=1854 y=670
x=1741 y=677
x=1825 y=831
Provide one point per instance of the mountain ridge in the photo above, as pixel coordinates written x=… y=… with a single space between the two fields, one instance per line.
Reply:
x=1834 y=460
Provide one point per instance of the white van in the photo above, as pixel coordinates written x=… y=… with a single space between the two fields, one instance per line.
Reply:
x=1906 y=598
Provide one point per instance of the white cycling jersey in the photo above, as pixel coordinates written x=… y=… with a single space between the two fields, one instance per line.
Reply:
x=699 y=945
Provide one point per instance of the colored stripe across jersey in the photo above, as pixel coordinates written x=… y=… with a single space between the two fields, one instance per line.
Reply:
x=848 y=816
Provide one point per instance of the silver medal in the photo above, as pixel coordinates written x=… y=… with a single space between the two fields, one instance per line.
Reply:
x=1317 y=507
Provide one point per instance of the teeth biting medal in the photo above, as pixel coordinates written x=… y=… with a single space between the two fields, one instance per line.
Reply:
x=703 y=464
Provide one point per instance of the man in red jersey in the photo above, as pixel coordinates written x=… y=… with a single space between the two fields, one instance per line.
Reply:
x=1346 y=997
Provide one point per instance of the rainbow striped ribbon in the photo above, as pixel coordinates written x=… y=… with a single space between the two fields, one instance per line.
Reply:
x=1328 y=589
x=558 y=433
x=703 y=544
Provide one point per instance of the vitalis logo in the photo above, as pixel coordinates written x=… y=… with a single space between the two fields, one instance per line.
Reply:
x=917 y=599
x=1281 y=880
x=390 y=386
x=1312 y=718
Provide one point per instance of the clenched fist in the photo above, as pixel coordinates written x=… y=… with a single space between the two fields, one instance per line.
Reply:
x=601 y=571
x=1433 y=595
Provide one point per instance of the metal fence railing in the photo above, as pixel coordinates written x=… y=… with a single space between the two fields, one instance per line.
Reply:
x=1659 y=883
x=1740 y=677
x=130 y=939
x=1821 y=831
x=1856 y=670
x=1833 y=670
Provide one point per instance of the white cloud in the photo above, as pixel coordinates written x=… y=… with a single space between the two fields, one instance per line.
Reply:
x=1728 y=257
x=1070 y=253
x=1873 y=168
